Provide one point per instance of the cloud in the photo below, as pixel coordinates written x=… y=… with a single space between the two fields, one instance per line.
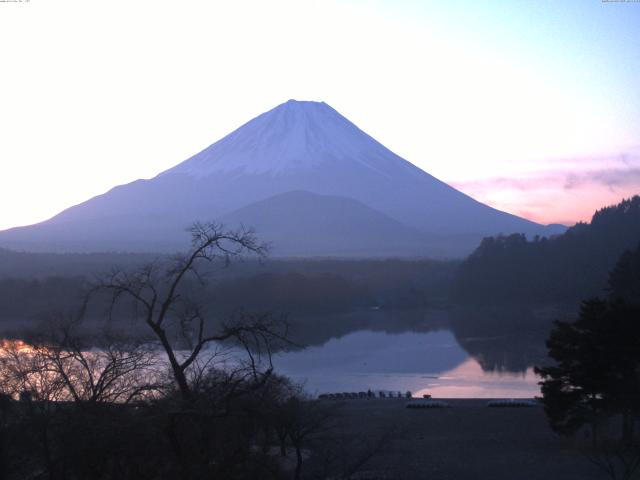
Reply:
x=620 y=171
x=613 y=179
x=562 y=191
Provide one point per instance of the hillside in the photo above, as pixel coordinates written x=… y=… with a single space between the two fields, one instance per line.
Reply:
x=567 y=267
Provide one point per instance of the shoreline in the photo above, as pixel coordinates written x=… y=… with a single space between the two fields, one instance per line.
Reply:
x=468 y=441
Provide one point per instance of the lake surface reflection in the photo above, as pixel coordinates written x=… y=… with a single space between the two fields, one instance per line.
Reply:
x=449 y=352
x=430 y=362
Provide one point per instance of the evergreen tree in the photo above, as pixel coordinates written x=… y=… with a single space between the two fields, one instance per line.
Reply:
x=624 y=280
x=597 y=359
x=597 y=370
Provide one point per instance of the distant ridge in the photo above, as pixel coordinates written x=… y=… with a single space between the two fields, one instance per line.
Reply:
x=295 y=147
x=300 y=223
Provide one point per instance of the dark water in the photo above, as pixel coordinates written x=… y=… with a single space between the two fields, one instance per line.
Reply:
x=449 y=353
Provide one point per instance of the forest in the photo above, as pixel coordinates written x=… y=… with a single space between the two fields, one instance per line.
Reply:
x=562 y=269
x=30 y=290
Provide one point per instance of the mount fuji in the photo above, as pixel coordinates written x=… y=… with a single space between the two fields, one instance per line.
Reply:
x=306 y=178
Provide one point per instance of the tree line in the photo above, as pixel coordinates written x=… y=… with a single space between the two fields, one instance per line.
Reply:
x=564 y=268
x=298 y=287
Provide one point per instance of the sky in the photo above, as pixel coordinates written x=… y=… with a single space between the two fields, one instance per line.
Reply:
x=531 y=107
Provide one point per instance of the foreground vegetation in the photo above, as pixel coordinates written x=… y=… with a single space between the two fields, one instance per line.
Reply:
x=593 y=384
x=193 y=399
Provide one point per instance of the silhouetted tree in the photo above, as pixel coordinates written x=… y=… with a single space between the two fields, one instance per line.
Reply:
x=597 y=370
x=163 y=298
x=624 y=279
x=596 y=375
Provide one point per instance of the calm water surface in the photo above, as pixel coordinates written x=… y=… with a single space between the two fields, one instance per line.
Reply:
x=421 y=362
x=445 y=353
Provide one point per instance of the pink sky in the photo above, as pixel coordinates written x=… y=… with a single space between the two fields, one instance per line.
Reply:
x=482 y=95
x=561 y=191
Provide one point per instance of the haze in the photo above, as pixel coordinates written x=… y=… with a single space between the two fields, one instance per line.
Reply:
x=532 y=108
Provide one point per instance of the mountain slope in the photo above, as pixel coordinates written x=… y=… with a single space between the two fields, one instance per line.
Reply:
x=306 y=224
x=297 y=146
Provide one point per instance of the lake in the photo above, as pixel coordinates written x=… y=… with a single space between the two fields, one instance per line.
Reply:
x=448 y=352
x=430 y=362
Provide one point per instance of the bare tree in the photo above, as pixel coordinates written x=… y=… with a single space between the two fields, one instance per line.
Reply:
x=103 y=367
x=61 y=363
x=304 y=419
x=163 y=298
x=618 y=459
x=59 y=367
x=27 y=375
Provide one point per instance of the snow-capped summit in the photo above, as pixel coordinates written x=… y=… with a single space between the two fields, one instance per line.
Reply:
x=293 y=136
x=311 y=182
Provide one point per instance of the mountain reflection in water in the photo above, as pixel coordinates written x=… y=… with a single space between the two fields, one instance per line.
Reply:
x=422 y=363
x=449 y=353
